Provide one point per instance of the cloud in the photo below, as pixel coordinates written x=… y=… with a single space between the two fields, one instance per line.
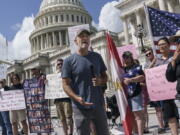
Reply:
x=17 y=26
x=3 y=50
x=110 y=17
x=2 y=39
x=95 y=25
x=20 y=44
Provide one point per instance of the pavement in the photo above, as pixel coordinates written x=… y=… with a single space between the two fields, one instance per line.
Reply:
x=116 y=130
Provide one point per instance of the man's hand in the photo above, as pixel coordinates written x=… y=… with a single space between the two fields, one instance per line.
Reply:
x=127 y=80
x=82 y=102
x=97 y=81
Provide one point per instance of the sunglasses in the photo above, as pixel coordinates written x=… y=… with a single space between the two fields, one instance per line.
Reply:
x=177 y=40
x=148 y=54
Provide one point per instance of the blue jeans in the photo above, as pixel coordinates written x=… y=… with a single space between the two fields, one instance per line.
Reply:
x=2 y=125
x=6 y=120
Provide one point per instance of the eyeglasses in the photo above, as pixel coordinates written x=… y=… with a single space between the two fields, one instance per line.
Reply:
x=177 y=41
x=148 y=54
x=59 y=64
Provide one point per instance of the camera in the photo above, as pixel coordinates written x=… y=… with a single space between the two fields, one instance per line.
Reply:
x=113 y=114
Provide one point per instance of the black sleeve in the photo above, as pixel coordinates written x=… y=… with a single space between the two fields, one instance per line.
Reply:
x=170 y=73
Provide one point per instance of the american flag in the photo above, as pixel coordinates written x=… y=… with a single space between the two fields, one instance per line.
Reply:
x=163 y=24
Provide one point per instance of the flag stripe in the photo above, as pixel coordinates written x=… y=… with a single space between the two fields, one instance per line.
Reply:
x=116 y=72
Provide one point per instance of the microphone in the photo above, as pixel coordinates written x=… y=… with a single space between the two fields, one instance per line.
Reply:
x=92 y=71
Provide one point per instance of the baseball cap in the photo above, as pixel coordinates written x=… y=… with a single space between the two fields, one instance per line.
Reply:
x=127 y=54
x=80 y=31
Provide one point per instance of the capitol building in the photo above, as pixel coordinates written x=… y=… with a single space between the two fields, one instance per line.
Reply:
x=50 y=41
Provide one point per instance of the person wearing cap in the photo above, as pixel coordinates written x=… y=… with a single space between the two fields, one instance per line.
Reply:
x=133 y=76
x=63 y=106
x=5 y=114
x=83 y=74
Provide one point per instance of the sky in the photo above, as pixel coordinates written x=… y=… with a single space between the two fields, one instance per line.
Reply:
x=17 y=17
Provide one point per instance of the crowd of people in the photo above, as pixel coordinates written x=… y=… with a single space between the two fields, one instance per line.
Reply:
x=84 y=78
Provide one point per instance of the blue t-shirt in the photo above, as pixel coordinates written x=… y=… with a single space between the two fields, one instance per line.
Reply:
x=79 y=69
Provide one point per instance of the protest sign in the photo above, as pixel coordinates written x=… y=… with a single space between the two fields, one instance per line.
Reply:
x=12 y=100
x=3 y=71
x=158 y=87
x=54 y=88
x=130 y=48
x=37 y=106
x=72 y=34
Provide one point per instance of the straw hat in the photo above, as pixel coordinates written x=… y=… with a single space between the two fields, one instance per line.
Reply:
x=173 y=38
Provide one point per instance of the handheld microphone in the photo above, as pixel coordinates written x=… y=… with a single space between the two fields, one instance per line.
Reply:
x=92 y=71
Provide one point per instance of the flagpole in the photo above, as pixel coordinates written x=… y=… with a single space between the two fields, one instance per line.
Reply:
x=149 y=27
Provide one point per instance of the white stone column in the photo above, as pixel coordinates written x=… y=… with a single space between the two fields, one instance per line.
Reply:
x=38 y=45
x=60 y=38
x=54 y=39
x=67 y=39
x=30 y=74
x=34 y=44
x=44 y=20
x=125 y=26
x=49 y=20
x=138 y=17
x=26 y=74
x=162 y=5
x=50 y=39
x=170 y=7
x=47 y=40
x=42 y=42
x=8 y=80
x=22 y=76
x=54 y=19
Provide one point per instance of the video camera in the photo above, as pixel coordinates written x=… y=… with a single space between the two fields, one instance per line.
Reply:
x=114 y=111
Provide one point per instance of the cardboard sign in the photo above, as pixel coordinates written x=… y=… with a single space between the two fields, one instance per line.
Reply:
x=158 y=86
x=37 y=106
x=130 y=48
x=72 y=34
x=12 y=100
x=53 y=88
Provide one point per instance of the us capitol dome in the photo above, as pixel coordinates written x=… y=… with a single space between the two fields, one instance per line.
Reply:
x=52 y=21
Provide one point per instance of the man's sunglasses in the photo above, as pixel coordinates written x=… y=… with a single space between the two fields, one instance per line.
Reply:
x=59 y=64
x=177 y=40
x=148 y=54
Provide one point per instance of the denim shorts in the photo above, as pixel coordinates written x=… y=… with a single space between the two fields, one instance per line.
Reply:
x=136 y=103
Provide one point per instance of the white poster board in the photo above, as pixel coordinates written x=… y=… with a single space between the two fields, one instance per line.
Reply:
x=3 y=71
x=12 y=100
x=53 y=88
x=72 y=33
